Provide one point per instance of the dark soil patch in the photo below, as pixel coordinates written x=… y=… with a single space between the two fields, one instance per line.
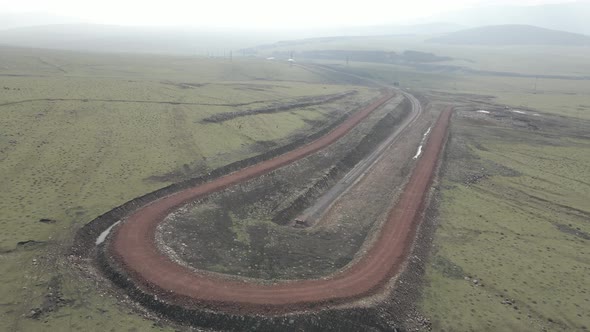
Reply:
x=573 y=231
x=447 y=267
x=279 y=107
x=30 y=244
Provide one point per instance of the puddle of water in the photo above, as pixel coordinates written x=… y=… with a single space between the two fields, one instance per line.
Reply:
x=100 y=239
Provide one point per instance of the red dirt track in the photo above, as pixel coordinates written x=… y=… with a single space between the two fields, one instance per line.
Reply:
x=134 y=249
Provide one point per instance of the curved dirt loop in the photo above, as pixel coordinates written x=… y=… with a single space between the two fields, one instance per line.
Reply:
x=134 y=249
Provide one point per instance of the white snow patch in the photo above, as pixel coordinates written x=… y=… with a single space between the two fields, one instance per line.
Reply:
x=100 y=239
x=519 y=112
x=483 y=111
x=536 y=114
x=419 y=152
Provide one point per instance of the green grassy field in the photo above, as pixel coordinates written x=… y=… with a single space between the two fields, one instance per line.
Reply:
x=521 y=231
x=82 y=133
x=557 y=96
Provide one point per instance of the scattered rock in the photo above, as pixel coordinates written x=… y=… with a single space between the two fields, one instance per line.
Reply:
x=47 y=221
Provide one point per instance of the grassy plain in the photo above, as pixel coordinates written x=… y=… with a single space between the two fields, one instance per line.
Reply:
x=558 y=96
x=530 y=59
x=521 y=231
x=83 y=133
x=513 y=205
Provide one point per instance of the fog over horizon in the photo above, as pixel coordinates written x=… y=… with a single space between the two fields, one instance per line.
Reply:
x=262 y=15
x=187 y=27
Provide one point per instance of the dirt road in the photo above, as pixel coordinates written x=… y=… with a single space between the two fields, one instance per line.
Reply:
x=134 y=249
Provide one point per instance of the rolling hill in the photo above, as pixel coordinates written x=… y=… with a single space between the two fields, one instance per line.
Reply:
x=130 y=39
x=564 y=16
x=512 y=35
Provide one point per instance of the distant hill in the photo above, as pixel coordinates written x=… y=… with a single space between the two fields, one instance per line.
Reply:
x=376 y=56
x=569 y=16
x=124 y=39
x=20 y=20
x=512 y=35
x=431 y=28
x=187 y=40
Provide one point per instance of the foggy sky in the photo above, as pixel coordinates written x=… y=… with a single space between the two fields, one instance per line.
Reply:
x=294 y=14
